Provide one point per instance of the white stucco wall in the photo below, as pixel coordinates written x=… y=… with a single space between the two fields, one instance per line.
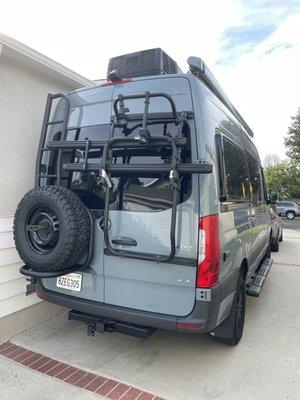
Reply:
x=23 y=91
x=22 y=101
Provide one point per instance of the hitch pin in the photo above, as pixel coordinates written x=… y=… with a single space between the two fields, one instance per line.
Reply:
x=104 y=175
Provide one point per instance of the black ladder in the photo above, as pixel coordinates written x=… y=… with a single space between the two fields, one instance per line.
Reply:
x=42 y=148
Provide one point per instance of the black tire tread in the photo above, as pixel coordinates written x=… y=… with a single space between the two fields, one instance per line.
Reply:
x=77 y=228
x=275 y=246
x=236 y=336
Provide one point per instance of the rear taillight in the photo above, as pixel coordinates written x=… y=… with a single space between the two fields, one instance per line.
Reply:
x=108 y=83
x=209 y=252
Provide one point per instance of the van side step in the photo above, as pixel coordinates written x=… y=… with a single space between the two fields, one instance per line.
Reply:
x=99 y=324
x=259 y=279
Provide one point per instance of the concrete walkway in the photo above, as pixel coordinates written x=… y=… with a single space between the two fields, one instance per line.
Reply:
x=264 y=365
x=20 y=383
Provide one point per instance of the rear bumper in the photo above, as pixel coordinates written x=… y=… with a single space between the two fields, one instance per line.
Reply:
x=202 y=319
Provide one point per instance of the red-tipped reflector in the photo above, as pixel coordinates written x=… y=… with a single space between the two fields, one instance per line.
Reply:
x=108 y=83
x=188 y=325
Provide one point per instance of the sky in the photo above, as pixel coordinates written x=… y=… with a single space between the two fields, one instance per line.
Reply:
x=252 y=47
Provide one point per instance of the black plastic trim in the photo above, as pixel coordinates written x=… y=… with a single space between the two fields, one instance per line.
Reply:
x=203 y=313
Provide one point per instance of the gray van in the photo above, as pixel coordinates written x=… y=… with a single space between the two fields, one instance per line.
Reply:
x=150 y=208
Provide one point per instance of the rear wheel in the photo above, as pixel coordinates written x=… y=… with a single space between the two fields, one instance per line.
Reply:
x=275 y=245
x=233 y=325
x=290 y=214
x=268 y=251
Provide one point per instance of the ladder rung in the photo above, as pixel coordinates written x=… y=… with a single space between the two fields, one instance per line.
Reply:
x=55 y=122
x=47 y=176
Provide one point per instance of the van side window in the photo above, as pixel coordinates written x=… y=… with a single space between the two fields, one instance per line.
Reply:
x=235 y=171
x=255 y=181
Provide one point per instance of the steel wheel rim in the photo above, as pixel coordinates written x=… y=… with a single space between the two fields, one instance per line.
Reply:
x=42 y=229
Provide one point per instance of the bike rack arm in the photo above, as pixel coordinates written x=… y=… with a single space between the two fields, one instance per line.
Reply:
x=173 y=177
x=143 y=169
x=99 y=144
x=119 y=99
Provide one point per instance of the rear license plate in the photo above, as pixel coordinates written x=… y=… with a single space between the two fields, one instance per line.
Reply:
x=70 y=282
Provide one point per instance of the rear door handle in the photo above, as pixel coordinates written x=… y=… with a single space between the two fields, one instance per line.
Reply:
x=124 y=241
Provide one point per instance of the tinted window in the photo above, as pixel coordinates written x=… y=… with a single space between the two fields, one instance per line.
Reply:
x=235 y=171
x=130 y=193
x=255 y=183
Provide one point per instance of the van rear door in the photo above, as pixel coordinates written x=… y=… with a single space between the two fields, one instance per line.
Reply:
x=140 y=215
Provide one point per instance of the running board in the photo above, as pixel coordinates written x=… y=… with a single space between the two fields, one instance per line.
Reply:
x=257 y=283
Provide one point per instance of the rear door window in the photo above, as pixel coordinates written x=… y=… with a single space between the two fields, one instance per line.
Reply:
x=235 y=171
x=255 y=180
x=133 y=193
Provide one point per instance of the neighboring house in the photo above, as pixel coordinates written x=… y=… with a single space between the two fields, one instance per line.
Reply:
x=26 y=77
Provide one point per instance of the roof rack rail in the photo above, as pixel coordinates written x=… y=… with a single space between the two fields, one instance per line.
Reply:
x=202 y=72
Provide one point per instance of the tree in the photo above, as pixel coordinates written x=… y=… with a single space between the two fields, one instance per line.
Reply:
x=271 y=160
x=285 y=178
x=292 y=141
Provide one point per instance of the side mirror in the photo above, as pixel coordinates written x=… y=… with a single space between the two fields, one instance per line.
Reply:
x=273 y=197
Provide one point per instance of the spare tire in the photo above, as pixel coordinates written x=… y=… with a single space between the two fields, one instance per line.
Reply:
x=51 y=229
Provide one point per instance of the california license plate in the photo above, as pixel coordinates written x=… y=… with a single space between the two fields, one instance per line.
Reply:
x=70 y=281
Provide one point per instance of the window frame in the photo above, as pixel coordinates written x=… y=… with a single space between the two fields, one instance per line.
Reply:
x=262 y=198
x=224 y=196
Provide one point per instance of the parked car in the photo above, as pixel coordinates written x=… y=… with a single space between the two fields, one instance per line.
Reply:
x=150 y=209
x=288 y=209
x=276 y=229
